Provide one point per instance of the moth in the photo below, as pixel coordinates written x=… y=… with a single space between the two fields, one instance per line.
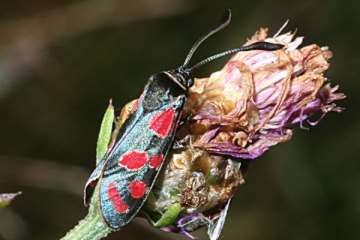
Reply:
x=128 y=171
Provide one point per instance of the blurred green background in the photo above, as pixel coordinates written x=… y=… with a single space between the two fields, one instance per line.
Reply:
x=61 y=61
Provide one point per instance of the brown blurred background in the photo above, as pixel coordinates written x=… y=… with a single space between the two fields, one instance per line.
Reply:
x=61 y=60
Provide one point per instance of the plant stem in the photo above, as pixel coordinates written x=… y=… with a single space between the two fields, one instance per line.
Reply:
x=92 y=227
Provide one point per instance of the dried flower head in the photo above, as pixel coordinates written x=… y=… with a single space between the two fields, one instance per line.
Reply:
x=250 y=104
x=236 y=114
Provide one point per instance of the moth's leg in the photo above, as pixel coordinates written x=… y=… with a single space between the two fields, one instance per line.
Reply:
x=178 y=145
x=182 y=143
x=184 y=119
x=149 y=218
x=163 y=219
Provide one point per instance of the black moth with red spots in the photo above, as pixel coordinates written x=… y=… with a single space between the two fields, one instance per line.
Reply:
x=128 y=171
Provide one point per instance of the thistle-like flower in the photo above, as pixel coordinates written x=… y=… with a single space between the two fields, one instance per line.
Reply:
x=236 y=114
x=254 y=100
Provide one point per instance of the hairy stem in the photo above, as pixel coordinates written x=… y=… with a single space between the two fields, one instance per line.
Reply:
x=92 y=227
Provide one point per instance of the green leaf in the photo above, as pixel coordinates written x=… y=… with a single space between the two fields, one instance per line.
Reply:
x=105 y=132
x=170 y=216
x=7 y=198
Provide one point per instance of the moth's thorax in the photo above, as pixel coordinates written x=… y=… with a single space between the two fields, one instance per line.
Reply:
x=180 y=77
x=162 y=88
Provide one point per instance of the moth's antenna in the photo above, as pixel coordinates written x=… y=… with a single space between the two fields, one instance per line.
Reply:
x=255 y=46
x=224 y=21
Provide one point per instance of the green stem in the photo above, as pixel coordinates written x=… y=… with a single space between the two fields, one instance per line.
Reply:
x=92 y=227
x=88 y=229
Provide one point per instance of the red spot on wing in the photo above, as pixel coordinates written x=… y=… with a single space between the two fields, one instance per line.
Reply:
x=156 y=161
x=137 y=189
x=133 y=160
x=116 y=200
x=161 y=122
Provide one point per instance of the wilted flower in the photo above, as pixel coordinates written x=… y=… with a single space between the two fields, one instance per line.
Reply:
x=236 y=114
x=252 y=102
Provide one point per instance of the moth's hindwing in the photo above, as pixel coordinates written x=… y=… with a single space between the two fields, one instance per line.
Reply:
x=136 y=159
x=92 y=181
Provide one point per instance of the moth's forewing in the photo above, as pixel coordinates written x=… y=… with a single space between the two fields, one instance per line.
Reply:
x=130 y=169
